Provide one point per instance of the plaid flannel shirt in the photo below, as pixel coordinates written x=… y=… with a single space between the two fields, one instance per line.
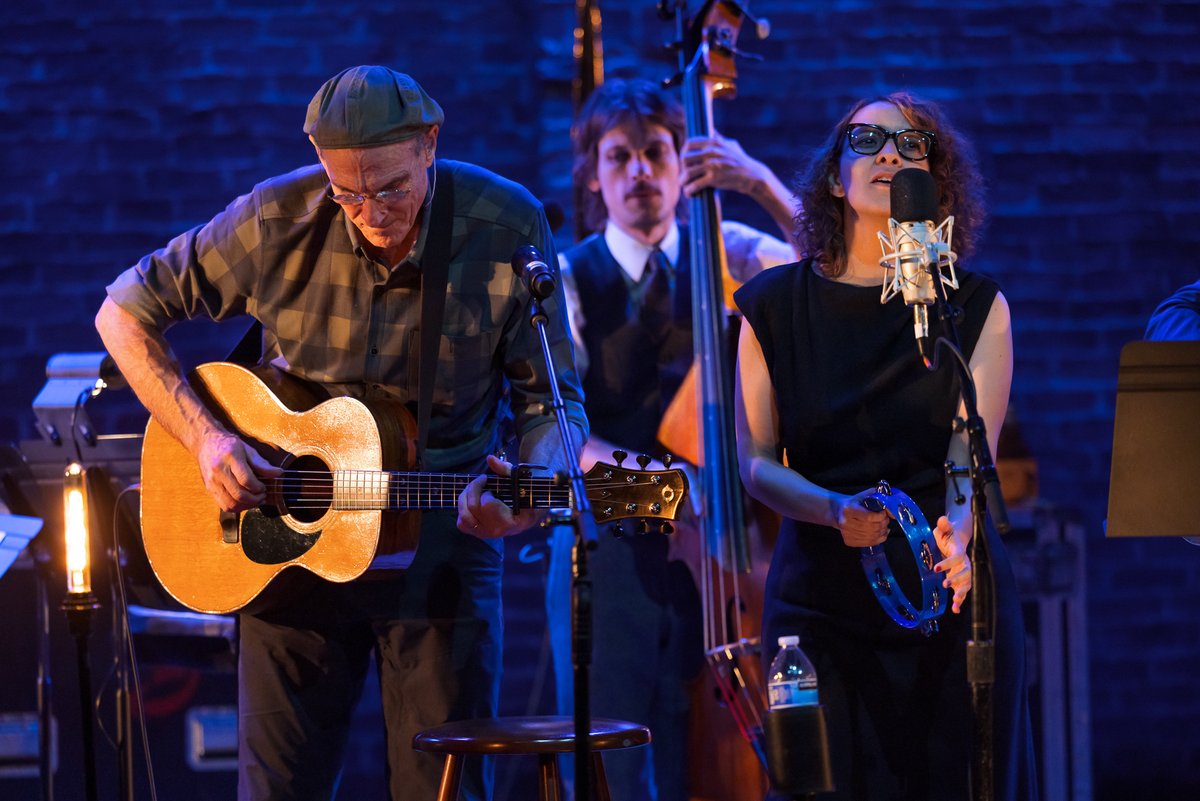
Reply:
x=287 y=255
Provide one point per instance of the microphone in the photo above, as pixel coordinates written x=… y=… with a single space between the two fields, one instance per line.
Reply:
x=532 y=269
x=915 y=251
x=914 y=205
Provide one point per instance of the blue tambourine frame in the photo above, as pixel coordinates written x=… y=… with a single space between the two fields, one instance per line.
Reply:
x=934 y=597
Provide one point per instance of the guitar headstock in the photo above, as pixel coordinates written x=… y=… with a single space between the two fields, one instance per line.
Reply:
x=617 y=492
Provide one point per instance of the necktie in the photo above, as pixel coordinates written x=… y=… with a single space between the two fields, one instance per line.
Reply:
x=654 y=293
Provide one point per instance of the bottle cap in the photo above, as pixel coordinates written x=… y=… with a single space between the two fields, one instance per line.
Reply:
x=789 y=639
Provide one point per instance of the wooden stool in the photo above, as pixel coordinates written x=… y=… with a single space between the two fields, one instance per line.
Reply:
x=545 y=736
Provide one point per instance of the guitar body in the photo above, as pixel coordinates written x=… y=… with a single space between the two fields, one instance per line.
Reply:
x=210 y=561
x=340 y=501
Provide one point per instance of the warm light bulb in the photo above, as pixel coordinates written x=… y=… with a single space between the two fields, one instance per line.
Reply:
x=75 y=523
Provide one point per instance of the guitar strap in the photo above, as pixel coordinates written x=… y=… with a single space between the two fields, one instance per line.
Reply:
x=435 y=272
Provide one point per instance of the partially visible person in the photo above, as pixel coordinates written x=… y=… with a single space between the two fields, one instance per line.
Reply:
x=831 y=398
x=331 y=259
x=1177 y=317
x=628 y=289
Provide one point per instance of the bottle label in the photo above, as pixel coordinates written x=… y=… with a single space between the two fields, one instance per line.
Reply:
x=791 y=693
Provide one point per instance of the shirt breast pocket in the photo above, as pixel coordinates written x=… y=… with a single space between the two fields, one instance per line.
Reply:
x=467 y=368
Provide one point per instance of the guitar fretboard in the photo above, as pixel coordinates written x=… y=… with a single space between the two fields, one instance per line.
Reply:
x=356 y=490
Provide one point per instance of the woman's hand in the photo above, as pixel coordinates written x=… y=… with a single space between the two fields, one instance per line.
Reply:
x=860 y=527
x=956 y=565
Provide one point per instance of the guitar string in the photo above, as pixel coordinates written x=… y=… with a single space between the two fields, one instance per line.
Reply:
x=540 y=491
x=381 y=487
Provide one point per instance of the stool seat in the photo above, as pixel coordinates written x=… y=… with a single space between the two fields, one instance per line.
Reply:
x=545 y=736
x=527 y=735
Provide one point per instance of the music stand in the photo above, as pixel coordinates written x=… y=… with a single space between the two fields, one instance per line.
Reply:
x=1156 y=442
x=15 y=533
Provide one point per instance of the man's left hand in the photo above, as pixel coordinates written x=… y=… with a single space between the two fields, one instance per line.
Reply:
x=482 y=514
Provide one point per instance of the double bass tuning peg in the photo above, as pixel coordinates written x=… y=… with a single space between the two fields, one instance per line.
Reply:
x=762 y=27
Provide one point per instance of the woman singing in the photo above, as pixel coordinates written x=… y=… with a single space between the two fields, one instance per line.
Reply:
x=832 y=398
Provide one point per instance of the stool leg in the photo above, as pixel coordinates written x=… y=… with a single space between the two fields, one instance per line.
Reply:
x=548 y=777
x=451 y=778
x=599 y=780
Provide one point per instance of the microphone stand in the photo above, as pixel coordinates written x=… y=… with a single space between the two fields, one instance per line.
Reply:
x=985 y=495
x=584 y=523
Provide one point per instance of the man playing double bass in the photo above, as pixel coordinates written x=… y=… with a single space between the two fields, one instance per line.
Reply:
x=629 y=298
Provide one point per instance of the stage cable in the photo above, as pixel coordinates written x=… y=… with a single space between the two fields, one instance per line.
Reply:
x=128 y=647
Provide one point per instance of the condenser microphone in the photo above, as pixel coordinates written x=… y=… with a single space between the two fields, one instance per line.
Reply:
x=914 y=207
x=532 y=269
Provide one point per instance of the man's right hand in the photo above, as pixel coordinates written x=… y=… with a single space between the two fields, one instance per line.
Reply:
x=232 y=470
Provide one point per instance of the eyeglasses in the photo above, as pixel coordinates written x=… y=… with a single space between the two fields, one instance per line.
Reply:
x=383 y=196
x=912 y=145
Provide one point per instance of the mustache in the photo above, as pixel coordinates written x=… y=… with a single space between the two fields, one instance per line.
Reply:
x=644 y=191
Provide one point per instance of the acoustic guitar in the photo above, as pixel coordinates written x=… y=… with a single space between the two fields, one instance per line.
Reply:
x=337 y=504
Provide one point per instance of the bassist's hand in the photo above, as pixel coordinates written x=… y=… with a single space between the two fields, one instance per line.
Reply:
x=482 y=514
x=232 y=470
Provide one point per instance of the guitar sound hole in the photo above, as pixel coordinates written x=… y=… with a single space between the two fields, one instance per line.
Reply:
x=307 y=489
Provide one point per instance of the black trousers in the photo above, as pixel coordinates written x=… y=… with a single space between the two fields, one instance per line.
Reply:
x=435 y=633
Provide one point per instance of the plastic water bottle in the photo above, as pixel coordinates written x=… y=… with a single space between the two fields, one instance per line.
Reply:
x=795 y=737
x=793 y=680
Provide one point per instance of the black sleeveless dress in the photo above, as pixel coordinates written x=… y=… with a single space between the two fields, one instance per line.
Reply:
x=856 y=406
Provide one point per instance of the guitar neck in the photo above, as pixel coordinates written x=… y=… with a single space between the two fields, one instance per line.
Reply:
x=403 y=491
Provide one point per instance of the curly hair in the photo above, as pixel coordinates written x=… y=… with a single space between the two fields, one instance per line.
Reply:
x=618 y=102
x=820 y=224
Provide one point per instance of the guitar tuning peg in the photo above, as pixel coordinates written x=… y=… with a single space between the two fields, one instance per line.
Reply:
x=643 y=460
x=618 y=530
x=620 y=456
x=667 y=459
x=666 y=528
x=642 y=528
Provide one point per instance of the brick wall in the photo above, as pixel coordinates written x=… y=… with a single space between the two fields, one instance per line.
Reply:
x=121 y=127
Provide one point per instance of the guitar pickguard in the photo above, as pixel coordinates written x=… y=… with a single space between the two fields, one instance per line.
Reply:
x=268 y=540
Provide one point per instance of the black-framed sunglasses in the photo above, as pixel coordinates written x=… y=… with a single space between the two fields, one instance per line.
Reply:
x=867 y=140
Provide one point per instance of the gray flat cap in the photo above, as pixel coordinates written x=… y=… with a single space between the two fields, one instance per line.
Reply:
x=367 y=107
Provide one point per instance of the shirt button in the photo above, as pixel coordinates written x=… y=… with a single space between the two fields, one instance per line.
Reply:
x=374 y=350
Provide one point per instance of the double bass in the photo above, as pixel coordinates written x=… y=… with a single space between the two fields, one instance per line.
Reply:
x=726 y=758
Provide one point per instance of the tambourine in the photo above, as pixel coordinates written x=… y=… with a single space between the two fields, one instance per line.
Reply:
x=934 y=596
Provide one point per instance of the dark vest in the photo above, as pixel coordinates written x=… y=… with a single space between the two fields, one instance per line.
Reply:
x=632 y=373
